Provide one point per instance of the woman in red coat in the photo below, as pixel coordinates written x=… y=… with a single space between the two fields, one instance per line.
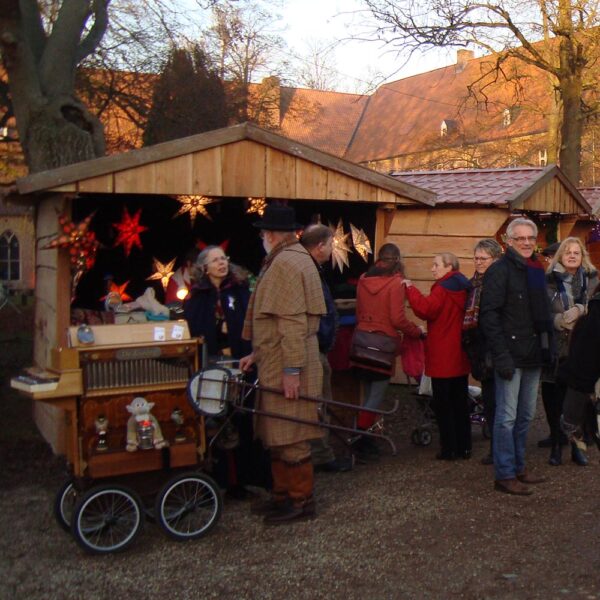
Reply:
x=445 y=360
x=380 y=307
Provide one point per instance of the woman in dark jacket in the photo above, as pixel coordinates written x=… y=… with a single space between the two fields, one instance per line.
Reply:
x=215 y=310
x=445 y=360
x=571 y=279
x=380 y=308
x=486 y=252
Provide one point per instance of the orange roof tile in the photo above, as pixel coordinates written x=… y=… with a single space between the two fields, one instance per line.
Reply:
x=324 y=120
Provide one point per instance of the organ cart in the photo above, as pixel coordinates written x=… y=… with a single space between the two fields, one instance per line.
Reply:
x=119 y=472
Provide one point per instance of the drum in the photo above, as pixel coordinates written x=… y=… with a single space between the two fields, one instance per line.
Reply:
x=211 y=391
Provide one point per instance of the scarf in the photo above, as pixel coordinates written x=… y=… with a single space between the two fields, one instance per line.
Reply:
x=540 y=305
x=578 y=284
x=471 y=319
x=267 y=262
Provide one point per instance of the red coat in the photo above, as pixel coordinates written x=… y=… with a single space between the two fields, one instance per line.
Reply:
x=380 y=306
x=444 y=311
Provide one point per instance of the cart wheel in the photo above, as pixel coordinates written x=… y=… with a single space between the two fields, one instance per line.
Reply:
x=485 y=430
x=415 y=438
x=188 y=506
x=107 y=518
x=425 y=437
x=64 y=504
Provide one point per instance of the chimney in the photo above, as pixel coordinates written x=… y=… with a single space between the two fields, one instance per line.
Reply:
x=463 y=57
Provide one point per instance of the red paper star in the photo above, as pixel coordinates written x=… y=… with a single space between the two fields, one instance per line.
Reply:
x=119 y=289
x=129 y=231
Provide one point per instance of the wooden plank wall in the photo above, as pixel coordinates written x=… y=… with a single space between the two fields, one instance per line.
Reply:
x=52 y=306
x=552 y=197
x=423 y=233
x=242 y=168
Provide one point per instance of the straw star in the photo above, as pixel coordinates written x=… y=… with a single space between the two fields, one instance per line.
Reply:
x=162 y=272
x=194 y=205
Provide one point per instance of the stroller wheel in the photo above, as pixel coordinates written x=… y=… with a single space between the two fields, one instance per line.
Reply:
x=425 y=437
x=415 y=437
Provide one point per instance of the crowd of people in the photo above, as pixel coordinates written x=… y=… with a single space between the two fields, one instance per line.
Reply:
x=516 y=324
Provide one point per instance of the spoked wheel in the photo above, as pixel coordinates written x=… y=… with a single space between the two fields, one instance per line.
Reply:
x=188 y=506
x=107 y=518
x=425 y=437
x=64 y=504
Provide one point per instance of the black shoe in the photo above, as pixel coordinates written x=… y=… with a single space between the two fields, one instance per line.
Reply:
x=291 y=513
x=555 y=456
x=578 y=456
x=266 y=507
x=337 y=465
x=445 y=455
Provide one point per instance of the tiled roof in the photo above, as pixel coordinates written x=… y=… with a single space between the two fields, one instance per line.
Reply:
x=475 y=186
x=592 y=195
x=405 y=116
x=324 y=120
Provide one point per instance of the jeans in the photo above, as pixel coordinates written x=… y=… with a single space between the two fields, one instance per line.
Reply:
x=515 y=408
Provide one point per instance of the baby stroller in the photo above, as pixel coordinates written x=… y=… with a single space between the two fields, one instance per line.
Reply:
x=422 y=433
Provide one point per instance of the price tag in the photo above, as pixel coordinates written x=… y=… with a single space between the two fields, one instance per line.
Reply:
x=160 y=334
x=177 y=332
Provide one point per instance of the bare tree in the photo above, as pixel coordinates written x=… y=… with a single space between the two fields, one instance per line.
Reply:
x=317 y=68
x=508 y=28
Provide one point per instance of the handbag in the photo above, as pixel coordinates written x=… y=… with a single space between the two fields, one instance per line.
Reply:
x=373 y=349
x=412 y=352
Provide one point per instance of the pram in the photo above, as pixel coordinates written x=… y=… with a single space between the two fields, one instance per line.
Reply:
x=422 y=434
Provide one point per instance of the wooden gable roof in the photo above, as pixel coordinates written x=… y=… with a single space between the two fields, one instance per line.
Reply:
x=239 y=161
x=539 y=189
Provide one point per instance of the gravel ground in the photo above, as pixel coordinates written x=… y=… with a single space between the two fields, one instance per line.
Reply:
x=406 y=527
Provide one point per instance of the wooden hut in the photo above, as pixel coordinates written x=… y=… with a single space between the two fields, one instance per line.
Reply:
x=237 y=162
x=475 y=204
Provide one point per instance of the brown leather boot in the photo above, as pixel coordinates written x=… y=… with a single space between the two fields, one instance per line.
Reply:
x=512 y=486
x=300 y=489
x=279 y=494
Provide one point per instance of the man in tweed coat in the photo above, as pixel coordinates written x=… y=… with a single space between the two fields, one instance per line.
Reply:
x=282 y=322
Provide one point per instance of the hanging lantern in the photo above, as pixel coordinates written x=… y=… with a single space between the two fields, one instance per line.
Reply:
x=361 y=242
x=162 y=272
x=256 y=205
x=194 y=205
x=129 y=231
x=339 y=255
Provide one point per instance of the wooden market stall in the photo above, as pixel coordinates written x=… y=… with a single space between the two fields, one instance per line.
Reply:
x=229 y=164
x=478 y=203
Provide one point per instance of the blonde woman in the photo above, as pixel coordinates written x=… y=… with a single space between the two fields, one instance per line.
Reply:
x=571 y=279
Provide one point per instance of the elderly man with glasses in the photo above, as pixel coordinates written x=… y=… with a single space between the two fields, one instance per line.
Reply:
x=516 y=321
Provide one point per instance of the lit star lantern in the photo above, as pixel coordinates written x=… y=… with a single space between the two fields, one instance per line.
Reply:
x=129 y=231
x=163 y=272
x=256 y=205
x=81 y=244
x=361 y=242
x=118 y=290
x=339 y=255
x=194 y=205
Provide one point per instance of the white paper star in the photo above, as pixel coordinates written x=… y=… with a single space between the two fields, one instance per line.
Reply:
x=361 y=242
x=339 y=255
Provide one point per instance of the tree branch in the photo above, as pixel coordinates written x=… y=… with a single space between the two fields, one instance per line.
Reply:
x=95 y=34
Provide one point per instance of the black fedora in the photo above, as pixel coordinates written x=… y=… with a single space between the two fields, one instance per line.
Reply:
x=278 y=217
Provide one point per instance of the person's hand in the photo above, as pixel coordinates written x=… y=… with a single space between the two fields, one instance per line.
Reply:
x=246 y=362
x=407 y=282
x=291 y=385
x=571 y=315
x=506 y=373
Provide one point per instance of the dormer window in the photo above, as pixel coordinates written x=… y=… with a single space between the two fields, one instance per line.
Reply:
x=447 y=127
x=506 y=117
x=543 y=158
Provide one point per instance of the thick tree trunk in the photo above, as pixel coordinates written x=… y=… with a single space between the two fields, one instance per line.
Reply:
x=61 y=133
x=571 y=129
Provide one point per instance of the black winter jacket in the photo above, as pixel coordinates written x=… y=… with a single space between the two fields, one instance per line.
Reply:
x=581 y=369
x=505 y=314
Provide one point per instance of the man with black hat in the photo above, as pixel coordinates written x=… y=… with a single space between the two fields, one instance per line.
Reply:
x=282 y=322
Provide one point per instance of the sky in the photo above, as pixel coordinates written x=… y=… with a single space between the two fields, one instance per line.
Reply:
x=356 y=61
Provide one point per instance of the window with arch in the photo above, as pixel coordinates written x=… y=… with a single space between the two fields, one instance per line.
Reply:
x=10 y=262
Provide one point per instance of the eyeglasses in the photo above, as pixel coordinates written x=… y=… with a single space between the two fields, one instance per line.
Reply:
x=522 y=239
x=482 y=258
x=218 y=259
